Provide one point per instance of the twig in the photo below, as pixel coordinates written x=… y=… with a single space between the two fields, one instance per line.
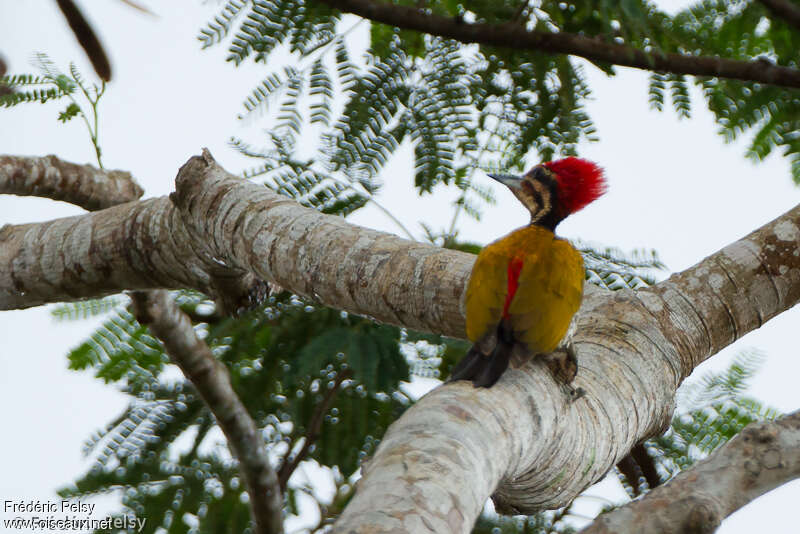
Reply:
x=511 y=35
x=786 y=11
x=86 y=38
x=93 y=130
x=167 y=322
x=522 y=7
x=312 y=432
x=630 y=470
x=647 y=465
x=639 y=463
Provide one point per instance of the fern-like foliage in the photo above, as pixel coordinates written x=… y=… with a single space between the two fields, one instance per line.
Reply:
x=165 y=451
x=84 y=309
x=31 y=88
x=218 y=29
x=541 y=523
x=744 y=30
x=121 y=350
x=462 y=108
x=53 y=84
x=711 y=411
x=611 y=268
x=302 y=181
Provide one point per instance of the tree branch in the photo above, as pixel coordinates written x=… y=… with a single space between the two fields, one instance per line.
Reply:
x=760 y=458
x=523 y=439
x=639 y=464
x=148 y=245
x=140 y=245
x=785 y=10
x=4 y=89
x=167 y=322
x=646 y=464
x=538 y=448
x=82 y=185
x=86 y=38
x=512 y=35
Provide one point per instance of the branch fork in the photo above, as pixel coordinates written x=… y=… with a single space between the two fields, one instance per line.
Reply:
x=521 y=440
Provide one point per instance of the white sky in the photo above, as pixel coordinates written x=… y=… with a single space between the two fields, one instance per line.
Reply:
x=674 y=187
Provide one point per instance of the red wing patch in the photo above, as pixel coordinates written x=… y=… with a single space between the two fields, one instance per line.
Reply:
x=514 y=268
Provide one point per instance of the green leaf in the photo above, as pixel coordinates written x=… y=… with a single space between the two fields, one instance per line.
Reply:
x=371 y=352
x=120 y=350
x=72 y=110
x=219 y=28
x=65 y=83
x=713 y=409
x=611 y=268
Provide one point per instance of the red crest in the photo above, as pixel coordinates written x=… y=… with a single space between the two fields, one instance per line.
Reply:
x=580 y=182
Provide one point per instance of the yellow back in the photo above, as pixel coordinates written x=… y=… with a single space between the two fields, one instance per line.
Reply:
x=548 y=295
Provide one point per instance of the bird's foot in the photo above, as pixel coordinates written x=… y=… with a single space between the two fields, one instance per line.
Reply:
x=563 y=365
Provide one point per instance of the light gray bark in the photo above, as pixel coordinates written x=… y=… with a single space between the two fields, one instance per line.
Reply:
x=760 y=458
x=141 y=245
x=524 y=439
x=92 y=188
x=233 y=228
x=82 y=185
x=540 y=449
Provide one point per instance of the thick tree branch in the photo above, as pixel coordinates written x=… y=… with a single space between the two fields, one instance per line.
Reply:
x=167 y=322
x=146 y=245
x=760 y=458
x=523 y=439
x=512 y=35
x=322 y=257
x=140 y=245
x=785 y=10
x=83 y=185
x=712 y=304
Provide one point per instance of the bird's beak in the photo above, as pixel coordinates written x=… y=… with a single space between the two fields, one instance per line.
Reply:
x=509 y=180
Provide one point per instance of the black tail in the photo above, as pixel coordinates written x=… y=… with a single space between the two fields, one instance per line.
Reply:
x=485 y=369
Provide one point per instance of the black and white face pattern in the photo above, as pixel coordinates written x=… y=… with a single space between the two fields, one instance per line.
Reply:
x=538 y=191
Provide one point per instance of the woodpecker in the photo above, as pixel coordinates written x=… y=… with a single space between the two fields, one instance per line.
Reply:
x=526 y=286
